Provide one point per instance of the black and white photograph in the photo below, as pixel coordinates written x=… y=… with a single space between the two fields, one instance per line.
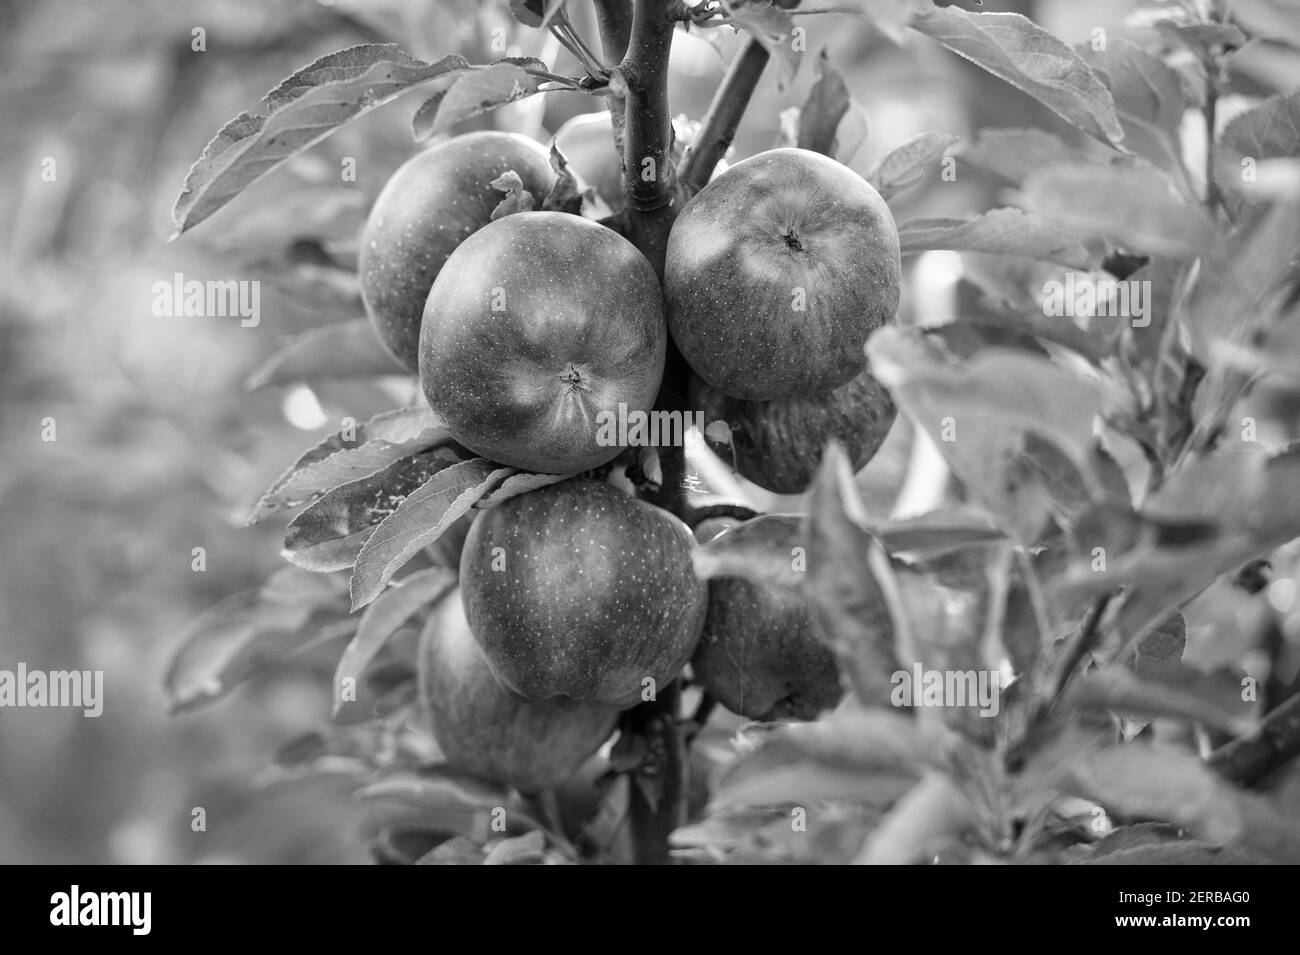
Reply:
x=652 y=433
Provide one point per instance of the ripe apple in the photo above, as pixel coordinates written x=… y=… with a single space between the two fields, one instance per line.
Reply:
x=778 y=444
x=760 y=656
x=434 y=201
x=577 y=590
x=587 y=142
x=539 y=322
x=485 y=729
x=776 y=273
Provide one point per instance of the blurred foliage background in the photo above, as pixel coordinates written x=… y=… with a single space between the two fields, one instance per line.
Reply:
x=161 y=449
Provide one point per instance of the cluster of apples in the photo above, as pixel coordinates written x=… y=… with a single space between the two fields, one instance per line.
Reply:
x=576 y=599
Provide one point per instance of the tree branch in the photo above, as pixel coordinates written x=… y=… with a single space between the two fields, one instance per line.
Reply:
x=657 y=800
x=1251 y=758
x=720 y=123
x=648 y=175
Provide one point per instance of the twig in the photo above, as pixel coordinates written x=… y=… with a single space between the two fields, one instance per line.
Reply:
x=1249 y=759
x=1065 y=666
x=718 y=128
x=614 y=19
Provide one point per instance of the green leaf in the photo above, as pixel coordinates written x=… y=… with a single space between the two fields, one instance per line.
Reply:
x=330 y=533
x=528 y=849
x=472 y=93
x=1015 y=153
x=766 y=549
x=241 y=636
x=1137 y=207
x=340 y=350
x=870 y=757
x=976 y=412
x=301 y=111
x=840 y=584
x=1145 y=782
x=1275 y=20
x=998 y=231
x=382 y=619
x=1021 y=53
x=934 y=809
x=774 y=29
x=517 y=484
x=827 y=102
x=419 y=519
x=1162 y=688
x=907 y=165
x=308 y=483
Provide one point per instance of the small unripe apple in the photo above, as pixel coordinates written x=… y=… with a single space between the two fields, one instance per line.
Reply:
x=577 y=590
x=760 y=656
x=776 y=273
x=432 y=203
x=538 y=324
x=779 y=444
x=483 y=728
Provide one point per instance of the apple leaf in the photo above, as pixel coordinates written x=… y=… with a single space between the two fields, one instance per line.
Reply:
x=774 y=29
x=934 y=809
x=334 y=462
x=330 y=533
x=477 y=91
x=1143 y=87
x=827 y=102
x=998 y=231
x=1018 y=51
x=1146 y=782
x=565 y=196
x=1271 y=130
x=528 y=849
x=908 y=164
x=977 y=411
x=847 y=601
x=339 y=350
x=1162 y=688
x=766 y=549
x=517 y=484
x=516 y=199
x=419 y=519
x=1137 y=207
x=390 y=610
x=1015 y=153
x=446 y=801
x=866 y=756
x=1276 y=20
x=243 y=635
x=301 y=111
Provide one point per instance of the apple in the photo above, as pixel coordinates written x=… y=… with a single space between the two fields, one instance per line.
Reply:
x=579 y=591
x=587 y=142
x=759 y=655
x=485 y=729
x=776 y=273
x=778 y=444
x=432 y=203
x=538 y=323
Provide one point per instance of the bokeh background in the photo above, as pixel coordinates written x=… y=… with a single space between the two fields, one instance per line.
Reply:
x=160 y=448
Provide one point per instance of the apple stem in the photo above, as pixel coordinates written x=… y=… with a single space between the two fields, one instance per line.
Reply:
x=718 y=128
